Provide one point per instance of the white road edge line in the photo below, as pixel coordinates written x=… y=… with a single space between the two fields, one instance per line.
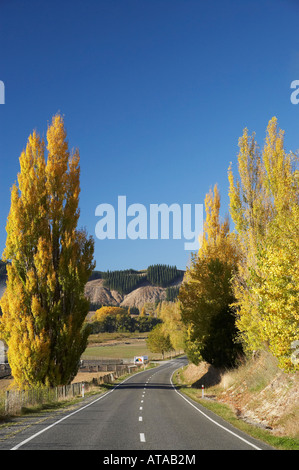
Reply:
x=213 y=421
x=57 y=422
x=71 y=414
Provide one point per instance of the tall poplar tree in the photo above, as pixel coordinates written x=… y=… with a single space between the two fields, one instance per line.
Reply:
x=264 y=207
x=251 y=210
x=50 y=261
x=206 y=294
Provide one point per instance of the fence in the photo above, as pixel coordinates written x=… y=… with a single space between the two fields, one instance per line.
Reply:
x=14 y=400
x=92 y=366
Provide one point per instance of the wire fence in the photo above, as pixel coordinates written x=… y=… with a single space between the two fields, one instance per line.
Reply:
x=13 y=401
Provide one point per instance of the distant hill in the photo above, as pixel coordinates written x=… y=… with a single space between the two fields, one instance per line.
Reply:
x=129 y=288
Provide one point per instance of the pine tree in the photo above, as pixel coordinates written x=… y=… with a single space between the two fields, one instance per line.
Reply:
x=44 y=306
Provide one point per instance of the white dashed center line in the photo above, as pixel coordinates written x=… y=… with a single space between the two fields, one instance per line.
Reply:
x=140 y=418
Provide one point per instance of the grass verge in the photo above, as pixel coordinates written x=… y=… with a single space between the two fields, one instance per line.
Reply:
x=226 y=412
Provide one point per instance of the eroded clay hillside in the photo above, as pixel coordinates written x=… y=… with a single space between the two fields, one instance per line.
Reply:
x=130 y=288
x=97 y=293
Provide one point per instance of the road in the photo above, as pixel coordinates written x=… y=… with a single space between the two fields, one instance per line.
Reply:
x=145 y=412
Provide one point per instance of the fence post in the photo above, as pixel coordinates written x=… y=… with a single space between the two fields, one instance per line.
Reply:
x=6 y=401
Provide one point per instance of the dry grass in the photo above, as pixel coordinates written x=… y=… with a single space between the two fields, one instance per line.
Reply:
x=80 y=377
x=5 y=383
x=88 y=376
x=258 y=392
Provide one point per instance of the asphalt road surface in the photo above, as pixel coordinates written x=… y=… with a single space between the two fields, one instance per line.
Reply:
x=145 y=412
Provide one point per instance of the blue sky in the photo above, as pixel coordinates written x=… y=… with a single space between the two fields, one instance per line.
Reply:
x=155 y=94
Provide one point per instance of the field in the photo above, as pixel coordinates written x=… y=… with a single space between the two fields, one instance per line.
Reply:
x=118 y=346
x=108 y=346
x=123 y=351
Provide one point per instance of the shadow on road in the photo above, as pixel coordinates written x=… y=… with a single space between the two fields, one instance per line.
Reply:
x=142 y=385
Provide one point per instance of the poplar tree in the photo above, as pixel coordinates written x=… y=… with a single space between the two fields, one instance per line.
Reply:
x=264 y=207
x=206 y=295
x=169 y=313
x=50 y=261
x=158 y=341
x=251 y=210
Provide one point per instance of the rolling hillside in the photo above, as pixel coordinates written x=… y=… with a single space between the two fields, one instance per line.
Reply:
x=130 y=288
x=150 y=287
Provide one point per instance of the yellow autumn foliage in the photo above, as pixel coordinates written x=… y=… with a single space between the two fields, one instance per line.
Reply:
x=264 y=208
x=206 y=293
x=170 y=314
x=44 y=306
x=103 y=312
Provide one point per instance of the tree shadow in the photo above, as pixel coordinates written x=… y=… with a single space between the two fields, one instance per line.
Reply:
x=209 y=379
x=148 y=386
